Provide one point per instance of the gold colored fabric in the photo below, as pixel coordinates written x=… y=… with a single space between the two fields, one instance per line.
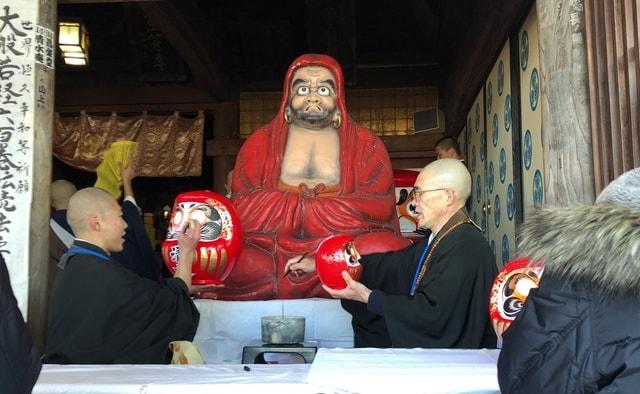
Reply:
x=185 y=352
x=168 y=146
x=109 y=174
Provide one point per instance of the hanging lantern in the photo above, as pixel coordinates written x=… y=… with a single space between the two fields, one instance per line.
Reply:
x=73 y=41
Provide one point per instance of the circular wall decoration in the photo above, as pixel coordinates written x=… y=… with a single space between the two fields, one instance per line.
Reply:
x=490 y=177
x=478 y=188
x=484 y=221
x=473 y=158
x=538 y=193
x=524 y=50
x=483 y=146
x=477 y=117
x=505 y=249
x=528 y=149
x=496 y=211
x=489 y=96
x=507 y=113
x=493 y=247
x=534 y=89
x=511 y=203
x=494 y=130
x=500 y=78
x=503 y=165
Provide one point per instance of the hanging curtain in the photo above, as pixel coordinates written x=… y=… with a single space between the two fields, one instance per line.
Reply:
x=169 y=146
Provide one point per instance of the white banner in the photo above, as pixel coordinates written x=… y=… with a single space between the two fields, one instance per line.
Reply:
x=18 y=47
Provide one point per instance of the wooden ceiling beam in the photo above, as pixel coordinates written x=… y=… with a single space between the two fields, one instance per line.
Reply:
x=185 y=28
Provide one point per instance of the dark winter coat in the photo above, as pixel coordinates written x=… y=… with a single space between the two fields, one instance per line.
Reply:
x=579 y=332
x=19 y=359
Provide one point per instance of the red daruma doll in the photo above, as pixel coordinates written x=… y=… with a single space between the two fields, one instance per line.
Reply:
x=336 y=254
x=220 y=238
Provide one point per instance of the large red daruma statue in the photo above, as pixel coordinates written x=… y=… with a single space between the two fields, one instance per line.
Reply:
x=220 y=238
x=336 y=254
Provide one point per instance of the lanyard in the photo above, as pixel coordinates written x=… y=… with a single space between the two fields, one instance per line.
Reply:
x=80 y=250
x=414 y=284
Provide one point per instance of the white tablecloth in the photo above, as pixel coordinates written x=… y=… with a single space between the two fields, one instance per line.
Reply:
x=333 y=371
x=227 y=326
x=405 y=371
x=173 y=379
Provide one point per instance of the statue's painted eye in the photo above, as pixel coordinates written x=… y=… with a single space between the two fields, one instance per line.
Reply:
x=199 y=216
x=303 y=90
x=324 y=91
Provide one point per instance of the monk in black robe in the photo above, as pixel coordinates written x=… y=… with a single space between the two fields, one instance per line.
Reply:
x=435 y=293
x=101 y=312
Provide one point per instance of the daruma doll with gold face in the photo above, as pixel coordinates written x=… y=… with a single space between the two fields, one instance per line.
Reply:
x=220 y=237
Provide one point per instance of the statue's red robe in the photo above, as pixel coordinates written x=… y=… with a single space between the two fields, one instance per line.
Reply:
x=283 y=221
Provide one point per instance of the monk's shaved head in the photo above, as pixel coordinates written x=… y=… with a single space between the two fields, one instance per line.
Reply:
x=85 y=203
x=447 y=173
x=61 y=192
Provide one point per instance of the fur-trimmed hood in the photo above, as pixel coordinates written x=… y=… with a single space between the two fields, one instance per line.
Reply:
x=596 y=244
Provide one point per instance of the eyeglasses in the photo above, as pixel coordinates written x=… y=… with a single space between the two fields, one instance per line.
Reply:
x=417 y=191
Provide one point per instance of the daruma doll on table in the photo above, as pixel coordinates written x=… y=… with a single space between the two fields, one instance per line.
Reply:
x=220 y=237
x=336 y=254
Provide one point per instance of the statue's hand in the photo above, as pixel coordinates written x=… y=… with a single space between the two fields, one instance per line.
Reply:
x=319 y=188
x=305 y=191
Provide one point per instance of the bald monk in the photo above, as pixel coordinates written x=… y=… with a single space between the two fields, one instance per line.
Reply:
x=101 y=312
x=310 y=173
x=435 y=293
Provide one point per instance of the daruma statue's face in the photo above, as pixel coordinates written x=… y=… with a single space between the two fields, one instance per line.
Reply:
x=220 y=236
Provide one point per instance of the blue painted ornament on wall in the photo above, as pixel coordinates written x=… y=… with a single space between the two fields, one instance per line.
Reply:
x=473 y=158
x=537 y=188
x=534 y=89
x=503 y=165
x=507 y=113
x=494 y=130
x=528 y=149
x=524 y=50
x=496 y=210
x=511 y=203
x=478 y=188
x=505 y=249
x=490 y=177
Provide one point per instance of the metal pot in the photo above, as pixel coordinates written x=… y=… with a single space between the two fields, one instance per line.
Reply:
x=282 y=329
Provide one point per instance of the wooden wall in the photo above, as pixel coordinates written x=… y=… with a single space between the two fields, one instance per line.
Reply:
x=613 y=63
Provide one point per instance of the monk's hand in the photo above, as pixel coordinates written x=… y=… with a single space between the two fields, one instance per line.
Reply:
x=188 y=240
x=354 y=291
x=128 y=172
x=299 y=265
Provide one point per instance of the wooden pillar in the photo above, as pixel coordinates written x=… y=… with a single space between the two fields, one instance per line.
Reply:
x=226 y=125
x=566 y=132
x=26 y=119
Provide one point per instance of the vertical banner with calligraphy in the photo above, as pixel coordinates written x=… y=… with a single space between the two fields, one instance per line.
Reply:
x=23 y=44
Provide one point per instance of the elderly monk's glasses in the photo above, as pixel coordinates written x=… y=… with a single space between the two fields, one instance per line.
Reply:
x=417 y=191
